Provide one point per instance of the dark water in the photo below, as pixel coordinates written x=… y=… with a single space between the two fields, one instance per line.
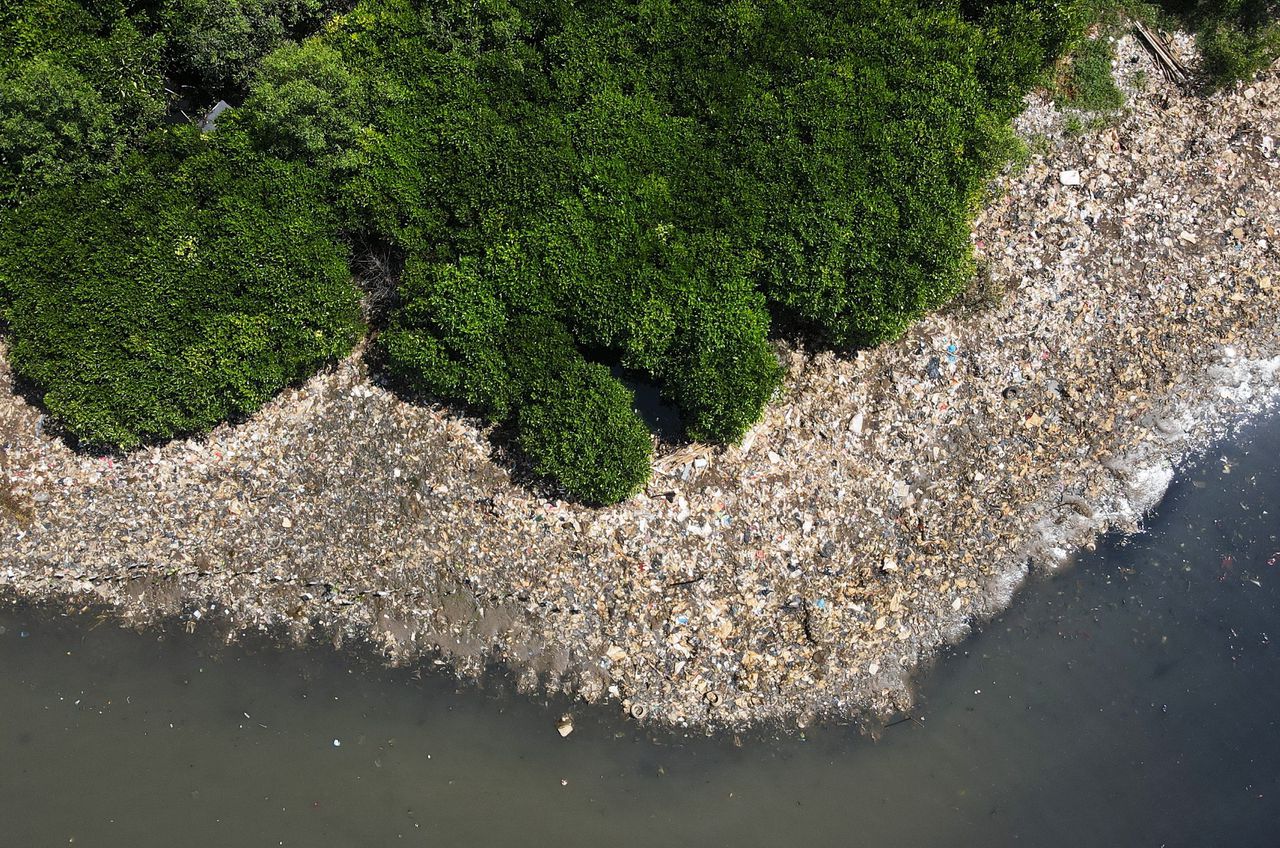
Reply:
x=1132 y=701
x=661 y=417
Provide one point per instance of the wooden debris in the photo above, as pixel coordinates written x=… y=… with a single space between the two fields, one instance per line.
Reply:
x=1174 y=71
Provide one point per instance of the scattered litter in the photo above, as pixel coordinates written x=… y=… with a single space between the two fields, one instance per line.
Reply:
x=209 y=123
x=900 y=491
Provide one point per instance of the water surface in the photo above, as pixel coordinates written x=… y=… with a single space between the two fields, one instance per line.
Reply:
x=1131 y=701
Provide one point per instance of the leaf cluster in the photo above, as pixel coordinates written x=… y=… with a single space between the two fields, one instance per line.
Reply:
x=76 y=89
x=221 y=42
x=183 y=290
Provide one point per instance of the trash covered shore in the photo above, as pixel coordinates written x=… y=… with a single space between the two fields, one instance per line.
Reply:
x=1127 y=314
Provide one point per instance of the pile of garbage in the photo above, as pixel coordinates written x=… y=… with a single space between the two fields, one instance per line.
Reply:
x=1126 y=314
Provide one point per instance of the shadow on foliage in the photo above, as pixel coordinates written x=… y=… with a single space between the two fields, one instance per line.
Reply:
x=376 y=267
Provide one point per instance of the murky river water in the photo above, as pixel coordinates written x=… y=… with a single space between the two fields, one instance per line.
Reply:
x=1132 y=701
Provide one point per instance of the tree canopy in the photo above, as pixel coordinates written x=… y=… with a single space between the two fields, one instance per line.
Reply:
x=571 y=189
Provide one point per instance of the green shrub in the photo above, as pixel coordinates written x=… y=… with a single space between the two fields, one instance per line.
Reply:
x=1232 y=52
x=221 y=42
x=1020 y=39
x=857 y=163
x=719 y=369
x=1237 y=38
x=163 y=299
x=576 y=423
x=306 y=105
x=1088 y=83
x=448 y=338
x=76 y=91
x=586 y=436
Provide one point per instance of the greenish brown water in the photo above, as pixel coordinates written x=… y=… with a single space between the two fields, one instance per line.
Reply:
x=1130 y=701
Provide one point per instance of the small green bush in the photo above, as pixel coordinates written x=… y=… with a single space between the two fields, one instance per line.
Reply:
x=576 y=423
x=306 y=106
x=448 y=340
x=719 y=369
x=1232 y=52
x=1088 y=84
x=586 y=436
x=166 y=298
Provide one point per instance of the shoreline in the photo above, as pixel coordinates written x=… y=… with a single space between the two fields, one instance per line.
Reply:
x=886 y=502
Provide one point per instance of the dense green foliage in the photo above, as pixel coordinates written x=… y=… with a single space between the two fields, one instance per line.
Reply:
x=652 y=176
x=165 y=298
x=153 y=283
x=76 y=88
x=83 y=83
x=639 y=183
x=221 y=42
x=1236 y=37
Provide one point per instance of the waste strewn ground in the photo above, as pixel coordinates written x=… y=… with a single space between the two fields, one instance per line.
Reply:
x=888 y=499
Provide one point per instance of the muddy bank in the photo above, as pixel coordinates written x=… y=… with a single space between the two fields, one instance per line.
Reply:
x=886 y=500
